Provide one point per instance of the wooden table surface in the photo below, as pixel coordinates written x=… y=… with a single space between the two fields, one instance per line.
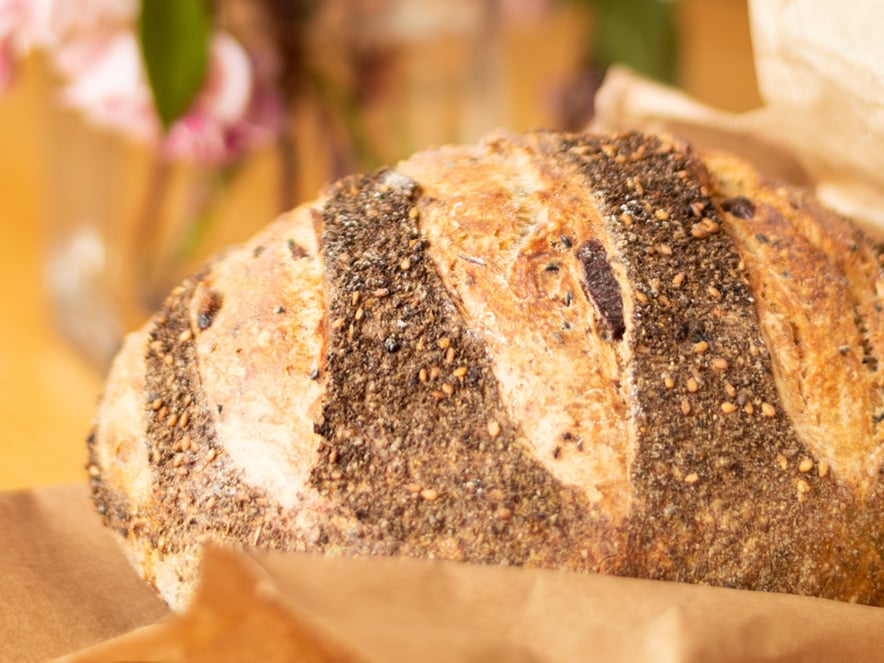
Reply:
x=48 y=392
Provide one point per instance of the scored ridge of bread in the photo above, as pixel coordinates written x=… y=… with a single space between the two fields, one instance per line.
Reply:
x=600 y=353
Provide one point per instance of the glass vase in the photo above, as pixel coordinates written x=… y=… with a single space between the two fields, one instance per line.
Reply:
x=125 y=225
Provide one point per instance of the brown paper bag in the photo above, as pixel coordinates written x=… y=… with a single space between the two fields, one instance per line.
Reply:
x=66 y=586
x=820 y=66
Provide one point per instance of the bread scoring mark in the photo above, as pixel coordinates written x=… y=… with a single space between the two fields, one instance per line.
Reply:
x=720 y=493
x=417 y=443
x=601 y=288
x=199 y=494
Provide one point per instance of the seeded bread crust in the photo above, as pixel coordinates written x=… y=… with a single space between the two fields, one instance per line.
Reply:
x=604 y=353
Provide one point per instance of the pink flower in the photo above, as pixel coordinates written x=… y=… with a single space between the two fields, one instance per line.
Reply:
x=20 y=23
x=92 y=45
x=107 y=83
x=235 y=112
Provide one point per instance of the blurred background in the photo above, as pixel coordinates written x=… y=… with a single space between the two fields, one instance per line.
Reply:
x=105 y=203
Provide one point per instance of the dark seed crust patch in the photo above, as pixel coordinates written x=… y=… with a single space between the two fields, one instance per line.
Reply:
x=724 y=495
x=417 y=443
x=601 y=287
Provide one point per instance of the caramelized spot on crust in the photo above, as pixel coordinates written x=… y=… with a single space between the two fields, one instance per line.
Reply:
x=601 y=287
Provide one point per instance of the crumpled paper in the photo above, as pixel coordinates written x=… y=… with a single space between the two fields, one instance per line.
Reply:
x=70 y=593
x=820 y=67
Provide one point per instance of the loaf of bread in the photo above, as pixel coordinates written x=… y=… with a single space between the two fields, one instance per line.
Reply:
x=605 y=353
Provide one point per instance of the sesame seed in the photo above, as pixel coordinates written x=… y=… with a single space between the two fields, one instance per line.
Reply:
x=182 y=471
x=194 y=447
x=359 y=313
x=727 y=407
x=685 y=407
x=333 y=457
x=380 y=293
x=802 y=486
x=714 y=292
x=640 y=296
x=178 y=446
x=661 y=214
x=210 y=502
x=210 y=455
x=184 y=443
x=335 y=476
x=748 y=408
x=502 y=513
x=337 y=324
x=412 y=488
x=782 y=462
x=730 y=390
x=701 y=347
x=449 y=356
x=354 y=298
x=678 y=279
x=493 y=428
x=172 y=420
x=448 y=389
x=711 y=226
x=823 y=468
x=664 y=249
x=422 y=375
x=434 y=372
x=405 y=265
x=157 y=404
x=168 y=360
x=768 y=410
x=429 y=494
x=443 y=342
x=179 y=458
x=697 y=208
x=185 y=419
x=94 y=471
x=459 y=372
x=719 y=364
x=626 y=219
x=668 y=382
x=806 y=465
x=691 y=478
x=692 y=385
x=698 y=231
x=185 y=336
x=438 y=395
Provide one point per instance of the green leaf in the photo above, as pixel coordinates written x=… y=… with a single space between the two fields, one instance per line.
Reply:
x=174 y=38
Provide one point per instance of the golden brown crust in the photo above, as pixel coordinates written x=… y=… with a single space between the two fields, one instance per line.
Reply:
x=604 y=353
